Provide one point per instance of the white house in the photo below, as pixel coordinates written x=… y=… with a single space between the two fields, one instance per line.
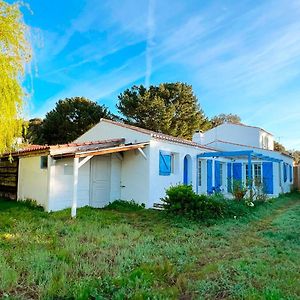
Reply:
x=117 y=161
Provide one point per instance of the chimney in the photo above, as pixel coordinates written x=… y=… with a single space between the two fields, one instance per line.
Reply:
x=198 y=137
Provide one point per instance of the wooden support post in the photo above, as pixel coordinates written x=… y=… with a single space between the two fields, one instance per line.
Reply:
x=142 y=152
x=75 y=186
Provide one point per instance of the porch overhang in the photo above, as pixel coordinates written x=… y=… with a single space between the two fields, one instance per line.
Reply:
x=96 y=152
x=86 y=155
x=245 y=154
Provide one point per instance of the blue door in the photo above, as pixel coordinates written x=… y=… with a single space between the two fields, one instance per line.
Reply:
x=185 y=171
x=268 y=177
x=209 y=176
x=237 y=171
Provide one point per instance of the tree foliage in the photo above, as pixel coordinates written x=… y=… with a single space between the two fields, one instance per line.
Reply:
x=224 y=118
x=69 y=119
x=296 y=156
x=279 y=147
x=170 y=108
x=15 y=52
x=32 y=131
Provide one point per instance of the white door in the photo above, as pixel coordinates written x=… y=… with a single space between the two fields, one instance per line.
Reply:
x=100 y=181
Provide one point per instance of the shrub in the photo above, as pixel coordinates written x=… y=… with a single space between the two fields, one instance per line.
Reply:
x=239 y=190
x=123 y=205
x=181 y=199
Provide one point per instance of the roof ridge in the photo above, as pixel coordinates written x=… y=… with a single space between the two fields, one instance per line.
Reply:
x=155 y=134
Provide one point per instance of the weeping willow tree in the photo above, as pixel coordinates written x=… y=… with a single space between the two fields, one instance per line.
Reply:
x=15 y=52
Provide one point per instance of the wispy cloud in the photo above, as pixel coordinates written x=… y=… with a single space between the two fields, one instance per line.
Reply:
x=240 y=57
x=150 y=41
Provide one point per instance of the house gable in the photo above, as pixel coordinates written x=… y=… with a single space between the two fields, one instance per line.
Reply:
x=242 y=134
x=106 y=129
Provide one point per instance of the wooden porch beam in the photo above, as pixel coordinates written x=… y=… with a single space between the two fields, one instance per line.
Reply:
x=85 y=160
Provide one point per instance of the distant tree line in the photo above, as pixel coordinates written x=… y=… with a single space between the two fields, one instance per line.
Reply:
x=170 y=108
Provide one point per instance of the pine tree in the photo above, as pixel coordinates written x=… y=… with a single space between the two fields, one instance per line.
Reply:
x=170 y=108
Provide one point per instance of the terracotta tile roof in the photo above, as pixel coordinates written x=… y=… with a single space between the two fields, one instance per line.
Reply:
x=243 y=145
x=62 y=148
x=157 y=135
x=85 y=146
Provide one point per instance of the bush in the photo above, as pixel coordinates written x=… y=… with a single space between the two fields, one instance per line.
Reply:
x=239 y=190
x=123 y=205
x=181 y=199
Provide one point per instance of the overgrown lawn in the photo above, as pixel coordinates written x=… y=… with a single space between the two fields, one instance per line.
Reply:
x=147 y=254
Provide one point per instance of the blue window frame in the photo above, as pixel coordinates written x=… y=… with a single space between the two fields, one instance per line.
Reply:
x=285 y=172
x=165 y=163
x=291 y=173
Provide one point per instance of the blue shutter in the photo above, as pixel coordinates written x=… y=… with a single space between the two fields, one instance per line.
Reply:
x=237 y=171
x=217 y=176
x=229 y=177
x=164 y=164
x=284 y=172
x=268 y=177
x=209 y=176
x=291 y=173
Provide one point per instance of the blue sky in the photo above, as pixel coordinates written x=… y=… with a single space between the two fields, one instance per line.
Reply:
x=240 y=57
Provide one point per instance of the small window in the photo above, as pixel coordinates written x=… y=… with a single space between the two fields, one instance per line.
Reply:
x=199 y=172
x=247 y=172
x=165 y=163
x=266 y=142
x=44 y=162
x=257 y=174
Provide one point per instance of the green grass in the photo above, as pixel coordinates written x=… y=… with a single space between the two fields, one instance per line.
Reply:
x=147 y=254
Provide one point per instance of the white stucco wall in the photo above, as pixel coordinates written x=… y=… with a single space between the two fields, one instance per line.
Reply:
x=62 y=185
x=104 y=130
x=159 y=183
x=32 y=180
x=250 y=136
x=135 y=176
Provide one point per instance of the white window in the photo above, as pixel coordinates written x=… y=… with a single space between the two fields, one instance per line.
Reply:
x=256 y=172
x=199 y=172
x=266 y=142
